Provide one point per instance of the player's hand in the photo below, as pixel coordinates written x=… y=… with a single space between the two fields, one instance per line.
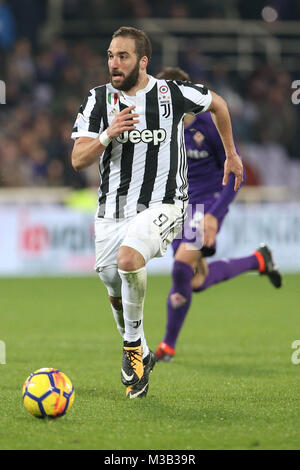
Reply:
x=233 y=164
x=210 y=226
x=124 y=121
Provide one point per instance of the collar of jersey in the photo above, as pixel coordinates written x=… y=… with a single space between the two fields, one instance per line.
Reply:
x=149 y=86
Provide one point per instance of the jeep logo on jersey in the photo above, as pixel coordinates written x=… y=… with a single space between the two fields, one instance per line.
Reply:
x=135 y=136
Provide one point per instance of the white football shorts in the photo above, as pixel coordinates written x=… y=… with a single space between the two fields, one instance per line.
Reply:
x=149 y=232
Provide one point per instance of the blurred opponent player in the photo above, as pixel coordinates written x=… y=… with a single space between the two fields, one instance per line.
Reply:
x=191 y=273
x=133 y=126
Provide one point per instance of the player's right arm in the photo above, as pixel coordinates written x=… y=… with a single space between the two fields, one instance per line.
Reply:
x=87 y=149
x=85 y=152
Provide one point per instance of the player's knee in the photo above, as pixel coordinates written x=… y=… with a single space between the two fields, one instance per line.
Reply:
x=129 y=259
x=126 y=264
x=200 y=274
x=197 y=281
x=203 y=268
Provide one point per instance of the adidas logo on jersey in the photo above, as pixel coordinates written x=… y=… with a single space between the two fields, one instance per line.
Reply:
x=135 y=136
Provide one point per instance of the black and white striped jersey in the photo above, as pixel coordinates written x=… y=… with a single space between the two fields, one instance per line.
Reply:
x=146 y=165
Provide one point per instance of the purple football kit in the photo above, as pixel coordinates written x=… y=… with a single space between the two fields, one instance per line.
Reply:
x=206 y=156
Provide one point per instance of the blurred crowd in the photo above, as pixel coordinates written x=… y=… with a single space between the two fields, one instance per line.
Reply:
x=43 y=94
x=76 y=9
x=46 y=85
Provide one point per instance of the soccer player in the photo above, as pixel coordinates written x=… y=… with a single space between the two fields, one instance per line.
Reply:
x=134 y=127
x=191 y=273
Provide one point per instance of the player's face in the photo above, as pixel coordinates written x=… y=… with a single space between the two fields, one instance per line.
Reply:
x=123 y=65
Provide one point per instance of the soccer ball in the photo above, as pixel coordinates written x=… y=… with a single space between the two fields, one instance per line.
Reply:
x=48 y=393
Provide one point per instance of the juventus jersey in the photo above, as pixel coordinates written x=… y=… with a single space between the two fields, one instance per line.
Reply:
x=146 y=165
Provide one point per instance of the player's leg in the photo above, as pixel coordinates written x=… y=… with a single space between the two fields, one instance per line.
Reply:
x=107 y=242
x=200 y=273
x=132 y=272
x=108 y=237
x=191 y=273
x=147 y=237
x=186 y=261
x=117 y=309
x=222 y=270
x=110 y=277
x=187 y=256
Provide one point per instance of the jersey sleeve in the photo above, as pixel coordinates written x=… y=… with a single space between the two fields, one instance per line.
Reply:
x=197 y=98
x=89 y=121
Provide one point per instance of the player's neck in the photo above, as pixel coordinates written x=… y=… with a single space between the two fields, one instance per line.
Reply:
x=141 y=84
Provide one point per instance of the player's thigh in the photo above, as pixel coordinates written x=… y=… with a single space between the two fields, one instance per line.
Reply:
x=109 y=234
x=154 y=229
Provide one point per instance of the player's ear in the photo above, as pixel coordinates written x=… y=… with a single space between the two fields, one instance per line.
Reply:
x=144 y=62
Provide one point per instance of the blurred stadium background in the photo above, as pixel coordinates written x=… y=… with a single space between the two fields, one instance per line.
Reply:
x=53 y=51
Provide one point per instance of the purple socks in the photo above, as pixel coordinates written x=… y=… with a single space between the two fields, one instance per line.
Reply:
x=179 y=300
x=180 y=295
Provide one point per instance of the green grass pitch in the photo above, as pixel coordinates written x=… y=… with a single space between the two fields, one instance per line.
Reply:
x=232 y=384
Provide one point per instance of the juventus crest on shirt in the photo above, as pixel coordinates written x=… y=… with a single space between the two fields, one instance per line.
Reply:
x=146 y=165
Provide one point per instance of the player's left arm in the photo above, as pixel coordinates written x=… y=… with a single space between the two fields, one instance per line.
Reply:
x=221 y=117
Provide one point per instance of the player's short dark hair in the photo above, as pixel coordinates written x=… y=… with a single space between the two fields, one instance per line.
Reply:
x=143 y=45
x=173 y=73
